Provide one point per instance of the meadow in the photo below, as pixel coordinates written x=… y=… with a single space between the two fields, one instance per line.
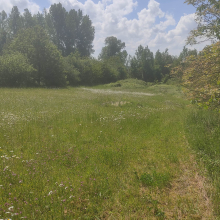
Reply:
x=126 y=150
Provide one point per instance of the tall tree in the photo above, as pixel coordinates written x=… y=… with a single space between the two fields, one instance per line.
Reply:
x=42 y=54
x=40 y=19
x=27 y=19
x=85 y=35
x=113 y=47
x=187 y=52
x=70 y=31
x=145 y=59
x=3 y=29
x=15 y=21
x=208 y=20
x=57 y=25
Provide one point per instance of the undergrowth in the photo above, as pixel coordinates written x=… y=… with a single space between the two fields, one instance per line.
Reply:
x=203 y=133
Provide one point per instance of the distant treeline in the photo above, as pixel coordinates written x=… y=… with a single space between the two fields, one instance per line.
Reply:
x=55 y=48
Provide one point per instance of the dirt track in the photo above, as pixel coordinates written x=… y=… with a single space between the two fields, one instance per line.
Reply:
x=117 y=92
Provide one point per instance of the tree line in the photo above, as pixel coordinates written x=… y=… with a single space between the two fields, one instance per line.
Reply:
x=55 y=48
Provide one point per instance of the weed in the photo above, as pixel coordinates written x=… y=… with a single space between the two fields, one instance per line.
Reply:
x=156 y=179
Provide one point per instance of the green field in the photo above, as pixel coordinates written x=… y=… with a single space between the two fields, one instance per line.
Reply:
x=122 y=151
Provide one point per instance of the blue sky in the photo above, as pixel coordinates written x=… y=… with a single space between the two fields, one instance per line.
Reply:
x=159 y=24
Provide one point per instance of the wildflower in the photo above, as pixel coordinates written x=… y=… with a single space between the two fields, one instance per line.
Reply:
x=11 y=208
x=66 y=187
x=6 y=167
x=50 y=193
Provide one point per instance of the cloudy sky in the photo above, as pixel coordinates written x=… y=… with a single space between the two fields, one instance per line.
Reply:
x=160 y=24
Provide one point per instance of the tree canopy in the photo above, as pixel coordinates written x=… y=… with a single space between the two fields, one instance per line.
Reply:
x=70 y=31
x=42 y=54
x=113 y=47
x=208 y=20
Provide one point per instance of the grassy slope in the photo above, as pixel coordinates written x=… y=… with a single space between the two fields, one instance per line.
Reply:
x=75 y=154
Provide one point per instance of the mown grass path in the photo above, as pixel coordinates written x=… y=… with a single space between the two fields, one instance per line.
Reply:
x=75 y=154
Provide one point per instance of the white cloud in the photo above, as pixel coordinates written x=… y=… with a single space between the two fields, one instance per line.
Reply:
x=175 y=39
x=21 y=4
x=152 y=27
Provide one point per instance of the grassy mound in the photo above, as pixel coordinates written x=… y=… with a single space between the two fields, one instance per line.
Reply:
x=129 y=84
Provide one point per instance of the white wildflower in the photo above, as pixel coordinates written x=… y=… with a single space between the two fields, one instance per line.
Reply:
x=11 y=208
x=50 y=193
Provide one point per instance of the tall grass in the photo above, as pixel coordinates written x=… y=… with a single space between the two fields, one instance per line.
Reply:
x=75 y=154
x=203 y=133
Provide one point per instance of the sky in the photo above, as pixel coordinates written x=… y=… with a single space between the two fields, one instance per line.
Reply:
x=158 y=24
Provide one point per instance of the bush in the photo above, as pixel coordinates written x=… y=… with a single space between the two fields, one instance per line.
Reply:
x=15 y=70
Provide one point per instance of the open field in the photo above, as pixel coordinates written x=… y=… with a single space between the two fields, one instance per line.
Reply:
x=95 y=154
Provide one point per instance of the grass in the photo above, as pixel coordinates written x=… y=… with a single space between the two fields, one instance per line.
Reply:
x=78 y=154
x=203 y=132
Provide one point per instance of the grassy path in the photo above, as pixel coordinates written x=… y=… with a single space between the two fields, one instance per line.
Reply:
x=74 y=154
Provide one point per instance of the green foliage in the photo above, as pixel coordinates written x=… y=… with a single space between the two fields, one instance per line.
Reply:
x=42 y=54
x=207 y=18
x=113 y=47
x=14 y=22
x=186 y=53
x=129 y=84
x=71 y=69
x=142 y=64
x=3 y=30
x=200 y=76
x=15 y=70
x=202 y=129
x=70 y=31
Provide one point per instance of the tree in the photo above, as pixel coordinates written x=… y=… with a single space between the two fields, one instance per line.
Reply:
x=15 y=70
x=187 y=52
x=3 y=30
x=85 y=35
x=56 y=20
x=40 y=19
x=70 y=31
x=42 y=54
x=15 y=22
x=200 y=76
x=208 y=20
x=142 y=64
x=113 y=47
x=27 y=19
